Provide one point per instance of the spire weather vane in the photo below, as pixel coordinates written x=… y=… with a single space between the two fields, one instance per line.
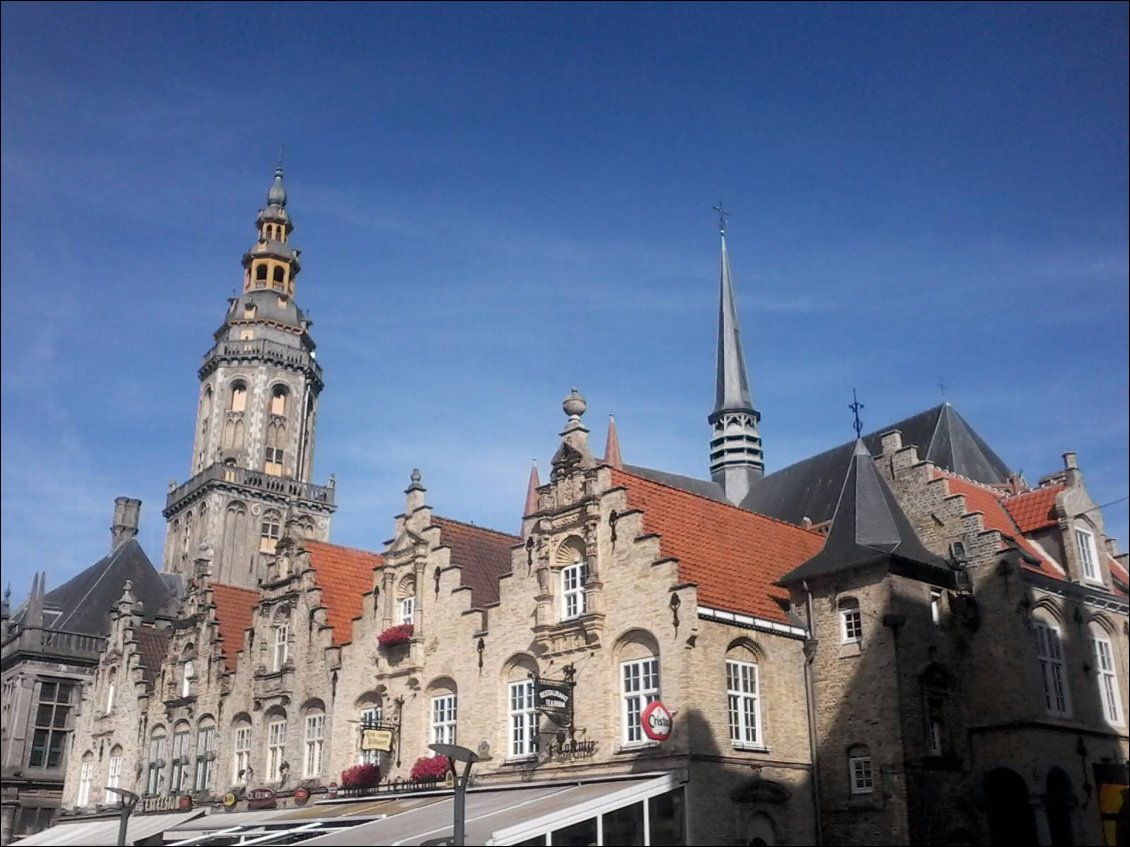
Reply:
x=855 y=407
x=722 y=215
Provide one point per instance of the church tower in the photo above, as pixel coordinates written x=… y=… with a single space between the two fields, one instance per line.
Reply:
x=253 y=451
x=736 y=461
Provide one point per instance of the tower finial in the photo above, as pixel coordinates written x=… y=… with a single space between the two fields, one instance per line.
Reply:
x=942 y=387
x=855 y=407
x=722 y=215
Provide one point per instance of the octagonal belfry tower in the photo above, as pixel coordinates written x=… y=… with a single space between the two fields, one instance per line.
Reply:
x=253 y=452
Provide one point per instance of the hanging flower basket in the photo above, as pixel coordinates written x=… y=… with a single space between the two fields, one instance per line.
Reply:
x=361 y=776
x=396 y=635
x=430 y=768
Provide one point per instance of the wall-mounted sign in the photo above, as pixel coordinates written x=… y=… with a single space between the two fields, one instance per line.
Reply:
x=301 y=796
x=169 y=803
x=331 y=790
x=229 y=800
x=376 y=739
x=261 y=798
x=656 y=721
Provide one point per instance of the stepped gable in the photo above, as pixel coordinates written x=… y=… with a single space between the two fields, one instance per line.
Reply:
x=483 y=555
x=345 y=576
x=1034 y=510
x=733 y=556
x=234 y=609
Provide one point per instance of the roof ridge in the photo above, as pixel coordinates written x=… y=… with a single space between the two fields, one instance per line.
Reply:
x=110 y=559
x=306 y=541
x=948 y=474
x=1037 y=490
x=714 y=502
x=436 y=517
x=216 y=585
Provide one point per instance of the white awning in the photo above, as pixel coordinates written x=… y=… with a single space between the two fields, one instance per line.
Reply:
x=104 y=831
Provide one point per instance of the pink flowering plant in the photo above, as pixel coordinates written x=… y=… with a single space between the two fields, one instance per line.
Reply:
x=430 y=768
x=396 y=635
x=361 y=776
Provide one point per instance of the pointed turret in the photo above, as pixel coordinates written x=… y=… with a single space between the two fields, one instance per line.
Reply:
x=532 y=491
x=736 y=459
x=612 y=446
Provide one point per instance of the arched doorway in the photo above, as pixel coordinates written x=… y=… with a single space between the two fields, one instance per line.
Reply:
x=1060 y=802
x=1010 y=815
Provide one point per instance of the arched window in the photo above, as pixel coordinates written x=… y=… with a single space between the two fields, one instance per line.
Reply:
x=111 y=689
x=235 y=530
x=851 y=621
x=574 y=574
x=278 y=400
x=276 y=746
x=1106 y=674
x=280 y=641
x=444 y=711
x=187 y=671
x=522 y=740
x=1053 y=673
x=178 y=776
x=241 y=750
x=280 y=276
x=743 y=696
x=406 y=601
x=313 y=739
x=238 y=397
x=1088 y=553
x=270 y=530
x=639 y=682
x=85 y=779
x=260 y=276
x=205 y=754
x=274 y=454
x=861 y=775
x=114 y=774
x=155 y=776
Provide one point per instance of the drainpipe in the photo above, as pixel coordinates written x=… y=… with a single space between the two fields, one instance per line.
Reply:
x=810 y=703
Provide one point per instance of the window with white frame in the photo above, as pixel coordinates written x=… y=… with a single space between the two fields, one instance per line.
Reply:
x=639 y=685
x=241 y=754
x=408 y=609
x=861 y=776
x=851 y=621
x=281 y=646
x=114 y=774
x=1088 y=557
x=443 y=719
x=744 y=703
x=188 y=673
x=936 y=606
x=573 y=578
x=1052 y=672
x=1107 y=678
x=111 y=689
x=155 y=779
x=312 y=748
x=85 y=779
x=371 y=716
x=276 y=747
x=178 y=775
x=205 y=755
x=523 y=720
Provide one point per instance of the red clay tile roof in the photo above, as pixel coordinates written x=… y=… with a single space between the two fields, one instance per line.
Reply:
x=234 y=607
x=734 y=556
x=152 y=644
x=482 y=554
x=1034 y=509
x=989 y=503
x=345 y=575
x=1121 y=576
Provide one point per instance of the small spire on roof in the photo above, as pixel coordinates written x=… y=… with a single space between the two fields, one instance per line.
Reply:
x=722 y=215
x=855 y=407
x=612 y=445
x=276 y=196
x=532 y=490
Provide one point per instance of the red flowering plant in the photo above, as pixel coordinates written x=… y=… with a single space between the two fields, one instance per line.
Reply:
x=430 y=768
x=396 y=635
x=361 y=776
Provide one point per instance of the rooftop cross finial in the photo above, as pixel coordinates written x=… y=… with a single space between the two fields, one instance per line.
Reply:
x=722 y=215
x=855 y=407
x=942 y=386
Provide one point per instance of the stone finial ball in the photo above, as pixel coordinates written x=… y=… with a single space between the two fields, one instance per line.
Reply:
x=574 y=405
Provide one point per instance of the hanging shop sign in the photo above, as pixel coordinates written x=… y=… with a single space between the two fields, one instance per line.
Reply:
x=554 y=699
x=376 y=739
x=656 y=721
x=261 y=798
x=168 y=803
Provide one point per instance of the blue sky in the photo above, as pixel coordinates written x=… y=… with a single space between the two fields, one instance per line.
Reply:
x=498 y=202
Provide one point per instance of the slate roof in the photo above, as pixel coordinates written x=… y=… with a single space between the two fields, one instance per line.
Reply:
x=152 y=644
x=483 y=555
x=234 y=609
x=869 y=526
x=85 y=600
x=810 y=488
x=733 y=556
x=345 y=576
x=1034 y=510
x=702 y=487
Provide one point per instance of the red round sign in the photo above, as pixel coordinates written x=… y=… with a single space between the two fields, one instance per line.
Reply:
x=656 y=721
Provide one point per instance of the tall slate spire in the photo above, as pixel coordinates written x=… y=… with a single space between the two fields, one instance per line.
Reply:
x=736 y=459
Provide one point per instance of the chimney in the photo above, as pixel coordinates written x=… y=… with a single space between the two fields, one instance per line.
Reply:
x=127 y=512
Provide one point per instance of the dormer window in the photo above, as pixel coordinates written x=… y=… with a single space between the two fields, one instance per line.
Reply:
x=1088 y=556
x=249 y=311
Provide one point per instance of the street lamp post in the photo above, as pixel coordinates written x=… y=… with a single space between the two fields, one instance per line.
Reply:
x=454 y=754
x=128 y=801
